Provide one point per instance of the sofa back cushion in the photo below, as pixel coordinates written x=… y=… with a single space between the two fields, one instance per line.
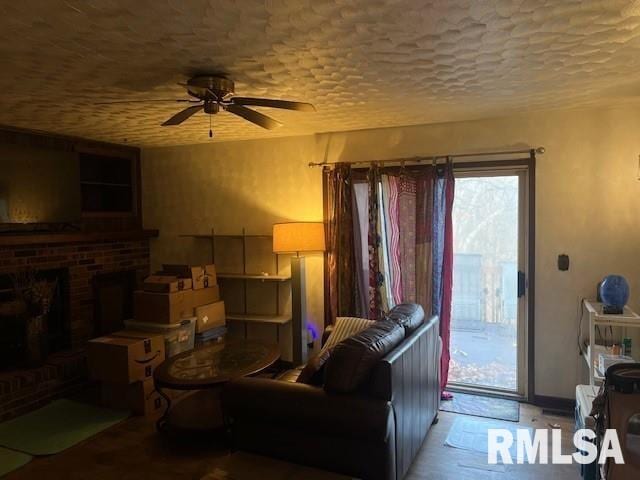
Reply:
x=409 y=315
x=352 y=360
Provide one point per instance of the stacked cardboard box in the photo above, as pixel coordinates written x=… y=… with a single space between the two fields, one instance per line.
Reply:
x=179 y=292
x=124 y=363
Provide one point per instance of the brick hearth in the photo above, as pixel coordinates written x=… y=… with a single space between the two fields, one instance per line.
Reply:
x=65 y=372
x=84 y=260
x=22 y=391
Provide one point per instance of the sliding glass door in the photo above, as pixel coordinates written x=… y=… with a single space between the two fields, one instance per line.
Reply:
x=488 y=326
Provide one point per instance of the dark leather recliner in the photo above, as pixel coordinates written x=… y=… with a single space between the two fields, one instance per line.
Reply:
x=373 y=434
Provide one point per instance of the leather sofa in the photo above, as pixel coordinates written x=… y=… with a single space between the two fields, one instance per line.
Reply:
x=372 y=434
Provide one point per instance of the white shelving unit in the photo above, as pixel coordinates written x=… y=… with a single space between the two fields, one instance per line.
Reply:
x=627 y=319
x=278 y=318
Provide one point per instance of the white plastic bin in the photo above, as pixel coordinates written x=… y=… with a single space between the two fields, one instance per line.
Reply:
x=178 y=337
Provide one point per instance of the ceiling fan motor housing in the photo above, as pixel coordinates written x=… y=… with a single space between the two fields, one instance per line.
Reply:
x=211 y=107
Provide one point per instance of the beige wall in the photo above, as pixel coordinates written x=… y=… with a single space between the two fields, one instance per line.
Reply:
x=231 y=186
x=588 y=202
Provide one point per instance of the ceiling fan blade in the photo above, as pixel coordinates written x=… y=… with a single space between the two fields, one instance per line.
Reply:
x=115 y=102
x=253 y=116
x=267 y=102
x=182 y=115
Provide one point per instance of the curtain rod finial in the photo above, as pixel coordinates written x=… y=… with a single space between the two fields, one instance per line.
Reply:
x=540 y=150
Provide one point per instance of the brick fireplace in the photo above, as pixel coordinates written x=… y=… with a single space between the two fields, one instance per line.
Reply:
x=86 y=259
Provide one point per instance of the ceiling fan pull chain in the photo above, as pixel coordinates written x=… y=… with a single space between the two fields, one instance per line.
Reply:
x=210 y=131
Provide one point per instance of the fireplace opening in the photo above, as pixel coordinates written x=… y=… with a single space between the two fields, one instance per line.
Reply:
x=17 y=315
x=113 y=300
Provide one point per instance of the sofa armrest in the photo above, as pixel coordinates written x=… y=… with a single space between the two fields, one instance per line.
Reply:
x=309 y=408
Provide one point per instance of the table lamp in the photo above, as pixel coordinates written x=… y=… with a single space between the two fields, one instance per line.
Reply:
x=298 y=237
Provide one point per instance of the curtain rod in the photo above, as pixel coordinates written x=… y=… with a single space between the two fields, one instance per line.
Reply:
x=529 y=151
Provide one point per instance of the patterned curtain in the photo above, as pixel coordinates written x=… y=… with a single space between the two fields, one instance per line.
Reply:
x=423 y=238
x=376 y=277
x=360 y=198
x=340 y=266
x=407 y=192
x=442 y=250
x=393 y=273
x=390 y=240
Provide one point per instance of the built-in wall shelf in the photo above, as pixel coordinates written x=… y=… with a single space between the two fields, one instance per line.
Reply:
x=250 y=279
x=208 y=236
x=255 y=276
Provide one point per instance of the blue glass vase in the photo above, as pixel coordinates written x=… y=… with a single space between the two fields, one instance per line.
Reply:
x=614 y=292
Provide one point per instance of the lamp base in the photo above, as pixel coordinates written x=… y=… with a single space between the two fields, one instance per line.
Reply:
x=298 y=311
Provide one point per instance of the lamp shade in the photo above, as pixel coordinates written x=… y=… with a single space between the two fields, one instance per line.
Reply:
x=298 y=237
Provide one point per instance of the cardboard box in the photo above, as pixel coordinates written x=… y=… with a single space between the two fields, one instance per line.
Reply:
x=166 y=284
x=210 y=316
x=163 y=308
x=125 y=357
x=141 y=398
x=210 y=278
x=201 y=276
x=203 y=296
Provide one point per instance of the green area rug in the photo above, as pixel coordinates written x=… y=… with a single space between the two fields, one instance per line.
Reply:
x=56 y=427
x=10 y=460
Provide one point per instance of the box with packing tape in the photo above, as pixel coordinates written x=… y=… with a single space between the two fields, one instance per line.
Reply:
x=165 y=308
x=210 y=316
x=171 y=308
x=178 y=337
x=201 y=276
x=141 y=398
x=125 y=357
x=166 y=284
x=204 y=296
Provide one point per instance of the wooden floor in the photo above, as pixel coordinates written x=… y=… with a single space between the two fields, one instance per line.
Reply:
x=436 y=461
x=133 y=450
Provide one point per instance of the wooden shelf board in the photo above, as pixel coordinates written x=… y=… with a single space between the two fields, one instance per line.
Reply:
x=258 y=318
x=254 y=276
x=208 y=236
x=105 y=184
x=203 y=236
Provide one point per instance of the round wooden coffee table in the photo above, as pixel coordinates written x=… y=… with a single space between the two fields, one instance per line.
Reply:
x=205 y=370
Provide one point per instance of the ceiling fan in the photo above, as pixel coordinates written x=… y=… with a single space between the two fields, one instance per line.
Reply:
x=211 y=93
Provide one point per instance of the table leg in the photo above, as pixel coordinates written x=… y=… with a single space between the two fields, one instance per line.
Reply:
x=162 y=421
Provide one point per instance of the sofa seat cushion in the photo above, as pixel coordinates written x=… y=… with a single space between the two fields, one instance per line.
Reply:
x=352 y=360
x=409 y=315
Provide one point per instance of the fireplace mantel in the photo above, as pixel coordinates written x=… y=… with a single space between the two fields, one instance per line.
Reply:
x=38 y=238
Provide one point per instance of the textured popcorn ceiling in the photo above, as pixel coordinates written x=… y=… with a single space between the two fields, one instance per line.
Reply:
x=363 y=63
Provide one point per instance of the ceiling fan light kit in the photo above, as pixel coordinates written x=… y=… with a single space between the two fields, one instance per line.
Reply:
x=212 y=93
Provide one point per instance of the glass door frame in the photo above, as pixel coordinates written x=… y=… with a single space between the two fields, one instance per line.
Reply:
x=524 y=169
